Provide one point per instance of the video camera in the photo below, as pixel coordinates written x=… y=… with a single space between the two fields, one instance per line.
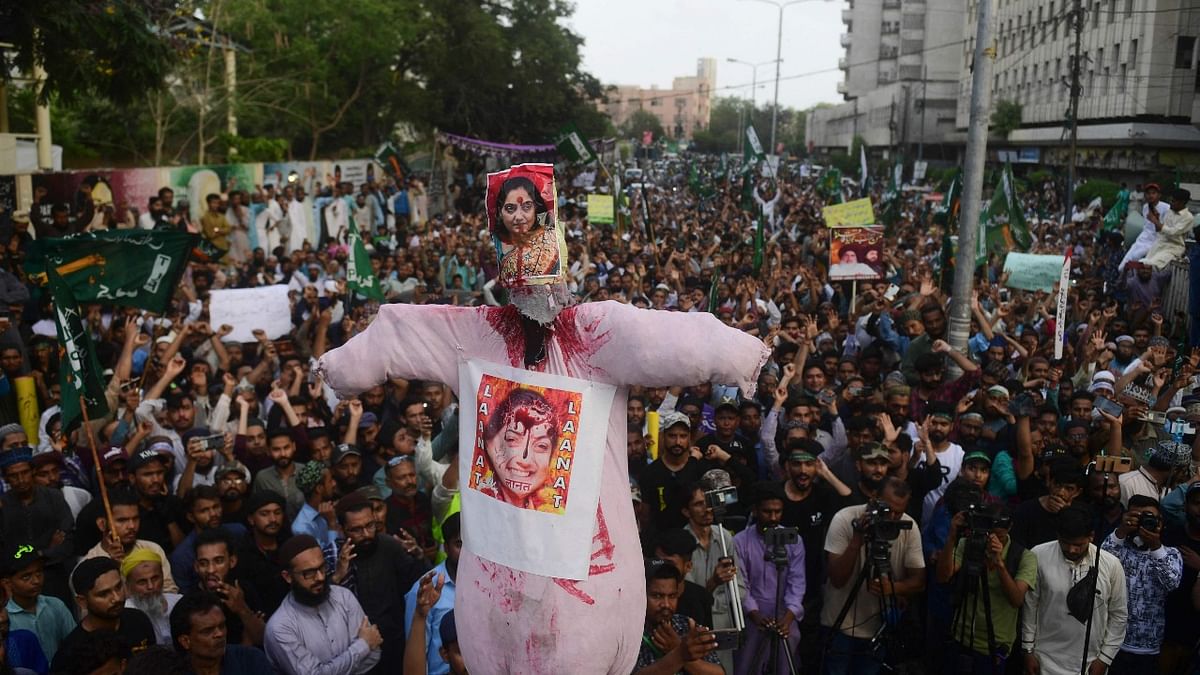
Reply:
x=719 y=492
x=876 y=523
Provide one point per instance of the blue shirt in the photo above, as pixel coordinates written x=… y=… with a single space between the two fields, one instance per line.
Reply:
x=25 y=652
x=50 y=621
x=310 y=521
x=434 y=664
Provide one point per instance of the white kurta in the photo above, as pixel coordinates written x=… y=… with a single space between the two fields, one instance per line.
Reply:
x=1056 y=637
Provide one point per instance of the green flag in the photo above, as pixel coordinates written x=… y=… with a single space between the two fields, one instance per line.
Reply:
x=759 y=242
x=573 y=146
x=830 y=186
x=359 y=276
x=79 y=370
x=1006 y=227
x=133 y=268
x=754 y=148
x=948 y=212
x=392 y=161
x=1114 y=220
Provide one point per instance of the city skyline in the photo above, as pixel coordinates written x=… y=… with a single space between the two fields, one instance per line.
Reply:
x=667 y=37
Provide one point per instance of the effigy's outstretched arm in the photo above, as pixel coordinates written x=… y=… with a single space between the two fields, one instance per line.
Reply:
x=420 y=342
x=662 y=349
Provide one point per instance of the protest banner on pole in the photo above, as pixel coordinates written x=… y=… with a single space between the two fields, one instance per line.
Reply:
x=246 y=309
x=1060 y=319
x=1030 y=272
x=600 y=208
x=851 y=214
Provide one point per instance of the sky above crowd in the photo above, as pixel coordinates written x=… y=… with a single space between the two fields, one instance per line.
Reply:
x=649 y=42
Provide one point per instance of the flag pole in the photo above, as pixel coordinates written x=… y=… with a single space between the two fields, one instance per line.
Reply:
x=87 y=424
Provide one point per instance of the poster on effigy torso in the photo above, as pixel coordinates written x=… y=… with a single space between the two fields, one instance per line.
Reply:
x=531 y=451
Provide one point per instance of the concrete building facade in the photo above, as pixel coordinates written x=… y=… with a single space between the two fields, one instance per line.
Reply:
x=901 y=77
x=1139 y=105
x=682 y=110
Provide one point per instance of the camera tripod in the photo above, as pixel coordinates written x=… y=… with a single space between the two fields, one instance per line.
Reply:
x=972 y=585
x=878 y=568
x=771 y=648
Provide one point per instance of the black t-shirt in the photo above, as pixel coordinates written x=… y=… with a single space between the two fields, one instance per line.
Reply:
x=741 y=449
x=661 y=489
x=155 y=521
x=135 y=631
x=1182 y=627
x=695 y=602
x=811 y=517
x=1032 y=524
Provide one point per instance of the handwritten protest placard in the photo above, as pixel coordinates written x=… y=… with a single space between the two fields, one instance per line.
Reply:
x=246 y=309
x=600 y=208
x=851 y=214
x=1030 y=272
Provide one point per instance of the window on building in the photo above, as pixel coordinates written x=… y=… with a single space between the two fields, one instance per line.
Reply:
x=1128 y=8
x=654 y=103
x=1096 y=15
x=1185 y=51
x=1121 y=80
x=1133 y=44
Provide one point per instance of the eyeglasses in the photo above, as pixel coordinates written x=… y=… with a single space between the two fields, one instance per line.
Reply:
x=526 y=207
x=311 y=573
x=369 y=528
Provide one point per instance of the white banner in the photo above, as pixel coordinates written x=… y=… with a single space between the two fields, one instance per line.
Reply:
x=1060 y=319
x=532 y=451
x=246 y=309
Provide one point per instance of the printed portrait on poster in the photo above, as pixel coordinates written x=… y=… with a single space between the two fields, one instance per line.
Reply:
x=521 y=211
x=856 y=253
x=525 y=444
x=532 y=481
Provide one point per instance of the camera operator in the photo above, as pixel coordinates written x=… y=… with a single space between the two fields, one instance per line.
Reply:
x=1152 y=571
x=759 y=557
x=1056 y=616
x=979 y=537
x=851 y=649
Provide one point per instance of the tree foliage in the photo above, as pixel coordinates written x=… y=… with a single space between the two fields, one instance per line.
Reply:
x=640 y=122
x=109 y=49
x=1006 y=118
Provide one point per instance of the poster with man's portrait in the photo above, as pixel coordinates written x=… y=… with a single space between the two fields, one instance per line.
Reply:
x=522 y=219
x=532 y=448
x=856 y=254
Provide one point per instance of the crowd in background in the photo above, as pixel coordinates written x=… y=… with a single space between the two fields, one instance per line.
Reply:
x=256 y=522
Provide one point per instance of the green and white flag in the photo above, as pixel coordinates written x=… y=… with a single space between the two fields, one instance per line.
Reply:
x=79 y=370
x=573 y=146
x=359 y=275
x=392 y=161
x=132 y=268
x=1006 y=227
x=754 y=148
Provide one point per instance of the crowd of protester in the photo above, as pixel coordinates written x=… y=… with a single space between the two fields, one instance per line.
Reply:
x=951 y=510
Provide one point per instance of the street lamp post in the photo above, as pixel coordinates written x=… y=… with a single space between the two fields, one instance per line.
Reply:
x=779 y=57
x=753 y=90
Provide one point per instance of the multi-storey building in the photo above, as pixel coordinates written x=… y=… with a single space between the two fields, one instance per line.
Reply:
x=682 y=109
x=902 y=69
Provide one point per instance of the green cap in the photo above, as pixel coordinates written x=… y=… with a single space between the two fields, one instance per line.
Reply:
x=972 y=456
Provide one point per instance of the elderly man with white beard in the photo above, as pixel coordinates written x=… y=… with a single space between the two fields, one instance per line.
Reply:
x=143 y=573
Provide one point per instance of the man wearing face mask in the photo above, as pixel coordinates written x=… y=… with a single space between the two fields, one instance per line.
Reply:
x=1151 y=572
x=1056 y=607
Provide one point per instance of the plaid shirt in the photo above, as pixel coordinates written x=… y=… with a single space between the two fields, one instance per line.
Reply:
x=650 y=654
x=1149 y=576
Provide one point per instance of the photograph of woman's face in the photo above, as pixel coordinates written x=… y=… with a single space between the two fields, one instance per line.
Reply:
x=520 y=452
